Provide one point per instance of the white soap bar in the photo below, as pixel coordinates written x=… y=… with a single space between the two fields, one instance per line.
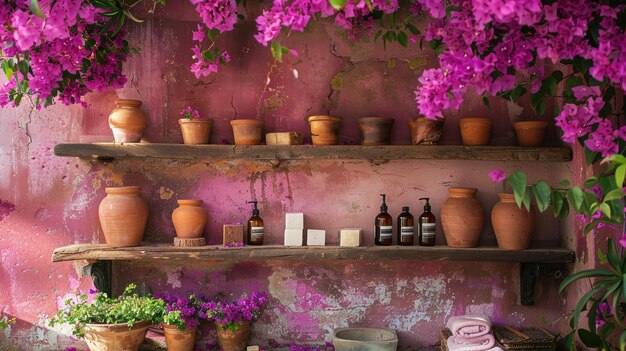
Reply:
x=293 y=237
x=315 y=237
x=294 y=220
x=350 y=237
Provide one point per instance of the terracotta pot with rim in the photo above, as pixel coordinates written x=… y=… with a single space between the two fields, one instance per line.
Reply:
x=530 y=133
x=196 y=130
x=475 y=131
x=189 y=219
x=247 y=131
x=115 y=337
x=462 y=218
x=234 y=340
x=375 y=130
x=512 y=225
x=179 y=340
x=123 y=214
x=127 y=121
x=425 y=131
x=324 y=130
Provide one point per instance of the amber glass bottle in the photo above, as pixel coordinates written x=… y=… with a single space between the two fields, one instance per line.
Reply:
x=383 y=226
x=427 y=225
x=255 y=226
x=405 y=228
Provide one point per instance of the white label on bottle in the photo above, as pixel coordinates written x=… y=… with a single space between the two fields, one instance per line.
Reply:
x=385 y=232
x=406 y=231
x=256 y=233
x=428 y=230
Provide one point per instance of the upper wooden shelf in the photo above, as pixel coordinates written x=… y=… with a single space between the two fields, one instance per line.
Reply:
x=109 y=151
x=163 y=252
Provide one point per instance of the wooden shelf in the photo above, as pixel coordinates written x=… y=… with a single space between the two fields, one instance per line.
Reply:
x=164 y=252
x=110 y=151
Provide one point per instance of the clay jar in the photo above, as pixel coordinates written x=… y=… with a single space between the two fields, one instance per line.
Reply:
x=115 y=337
x=123 y=215
x=179 y=340
x=234 y=340
x=475 y=131
x=462 y=217
x=324 y=129
x=530 y=133
x=196 y=130
x=189 y=219
x=512 y=225
x=127 y=121
x=425 y=131
x=375 y=130
x=247 y=131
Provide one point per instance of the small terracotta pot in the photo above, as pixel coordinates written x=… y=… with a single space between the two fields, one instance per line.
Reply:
x=425 y=130
x=115 y=337
x=179 y=340
x=375 y=130
x=236 y=340
x=462 y=218
x=196 y=131
x=247 y=131
x=324 y=130
x=127 y=121
x=189 y=219
x=123 y=215
x=530 y=133
x=512 y=225
x=475 y=131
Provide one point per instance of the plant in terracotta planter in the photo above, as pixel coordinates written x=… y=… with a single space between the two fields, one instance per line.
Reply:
x=195 y=129
x=111 y=324
x=233 y=319
x=180 y=321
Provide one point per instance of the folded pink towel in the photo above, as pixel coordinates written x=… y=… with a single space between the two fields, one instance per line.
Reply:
x=481 y=343
x=469 y=325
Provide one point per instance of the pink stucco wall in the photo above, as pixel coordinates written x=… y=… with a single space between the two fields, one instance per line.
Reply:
x=48 y=202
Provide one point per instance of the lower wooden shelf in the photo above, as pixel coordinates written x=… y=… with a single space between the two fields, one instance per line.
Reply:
x=165 y=252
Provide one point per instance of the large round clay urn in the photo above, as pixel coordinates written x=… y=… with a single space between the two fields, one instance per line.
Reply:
x=115 y=337
x=324 y=130
x=462 y=218
x=127 y=121
x=123 y=215
x=179 y=340
x=189 y=219
x=375 y=130
x=512 y=225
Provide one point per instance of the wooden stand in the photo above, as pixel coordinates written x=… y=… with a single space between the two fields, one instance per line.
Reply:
x=182 y=242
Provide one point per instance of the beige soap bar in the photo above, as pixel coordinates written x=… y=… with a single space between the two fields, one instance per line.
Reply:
x=286 y=138
x=294 y=237
x=350 y=237
x=252 y=348
x=233 y=233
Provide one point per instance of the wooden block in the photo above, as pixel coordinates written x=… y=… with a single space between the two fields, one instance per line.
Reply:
x=185 y=242
x=350 y=237
x=233 y=233
x=252 y=348
x=294 y=237
x=315 y=237
x=286 y=138
x=294 y=220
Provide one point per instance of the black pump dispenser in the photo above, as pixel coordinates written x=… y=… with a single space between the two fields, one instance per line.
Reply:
x=255 y=211
x=427 y=205
x=383 y=207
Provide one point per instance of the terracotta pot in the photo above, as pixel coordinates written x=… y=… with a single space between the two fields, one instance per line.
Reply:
x=512 y=225
x=115 y=337
x=425 y=130
x=247 y=131
x=123 y=215
x=179 y=340
x=375 y=130
x=324 y=130
x=189 y=219
x=127 y=121
x=475 y=131
x=462 y=218
x=196 y=131
x=530 y=133
x=234 y=340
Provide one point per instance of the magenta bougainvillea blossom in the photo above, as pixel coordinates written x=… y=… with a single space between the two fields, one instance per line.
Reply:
x=230 y=314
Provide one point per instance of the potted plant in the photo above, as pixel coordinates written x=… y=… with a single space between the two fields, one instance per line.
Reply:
x=180 y=322
x=196 y=130
x=111 y=324
x=233 y=319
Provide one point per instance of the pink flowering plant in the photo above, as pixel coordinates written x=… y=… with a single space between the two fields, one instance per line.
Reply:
x=182 y=312
x=190 y=113
x=229 y=315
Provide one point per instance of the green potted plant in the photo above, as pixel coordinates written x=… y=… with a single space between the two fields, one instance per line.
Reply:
x=111 y=324
x=195 y=129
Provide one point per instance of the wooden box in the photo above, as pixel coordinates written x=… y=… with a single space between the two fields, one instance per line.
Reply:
x=286 y=138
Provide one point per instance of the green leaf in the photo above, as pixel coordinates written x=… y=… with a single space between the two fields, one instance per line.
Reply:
x=576 y=197
x=605 y=209
x=377 y=35
x=589 y=339
x=8 y=72
x=557 y=202
x=452 y=8
x=542 y=194
x=581 y=65
x=24 y=67
x=620 y=173
x=337 y=4
x=517 y=180
x=590 y=226
x=35 y=9
x=369 y=5
x=622 y=341
x=615 y=194
x=550 y=84
x=566 y=183
x=486 y=102
x=614 y=260
x=591 y=157
x=602 y=257
x=412 y=29
x=590 y=182
x=277 y=51
x=558 y=75
x=591 y=273
x=517 y=92
x=403 y=38
x=526 y=200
